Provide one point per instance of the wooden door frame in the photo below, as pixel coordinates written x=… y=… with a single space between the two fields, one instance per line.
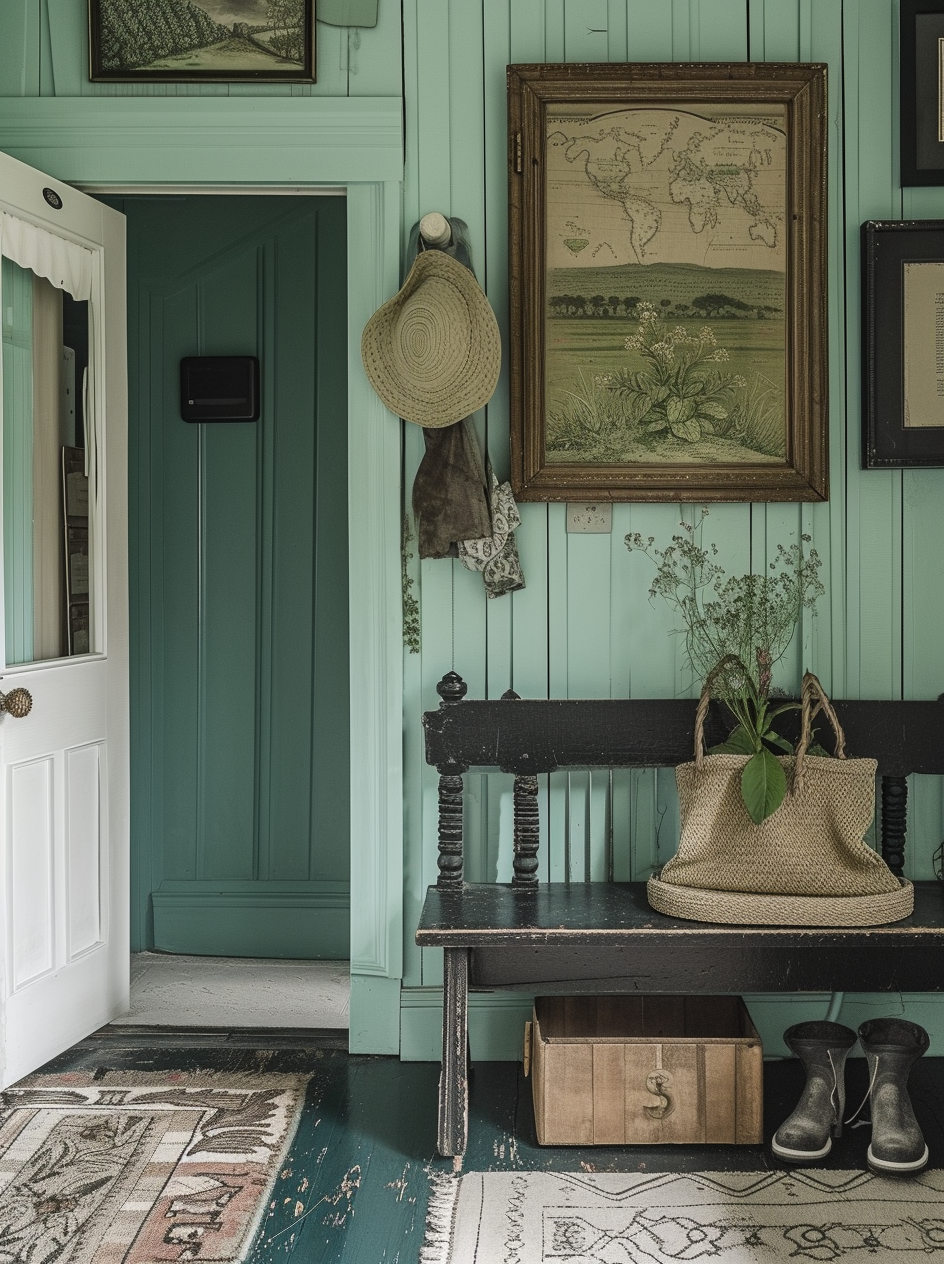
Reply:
x=239 y=145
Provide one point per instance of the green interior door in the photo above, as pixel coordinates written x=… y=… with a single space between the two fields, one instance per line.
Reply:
x=239 y=581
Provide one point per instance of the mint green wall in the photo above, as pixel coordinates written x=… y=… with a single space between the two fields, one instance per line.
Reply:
x=44 y=53
x=239 y=592
x=584 y=627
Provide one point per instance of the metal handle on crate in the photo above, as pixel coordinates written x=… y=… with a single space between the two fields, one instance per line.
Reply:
x=17 y=703
x=656 y=1083
x=526 y=1052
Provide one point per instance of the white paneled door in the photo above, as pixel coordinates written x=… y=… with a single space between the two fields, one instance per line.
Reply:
x=64 y=813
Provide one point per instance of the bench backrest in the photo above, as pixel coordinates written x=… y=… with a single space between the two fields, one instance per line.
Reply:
x=528 y=737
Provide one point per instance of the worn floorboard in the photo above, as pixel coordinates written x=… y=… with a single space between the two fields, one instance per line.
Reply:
x=353 y=1189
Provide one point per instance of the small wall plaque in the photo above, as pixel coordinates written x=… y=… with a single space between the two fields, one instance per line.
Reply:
x=219 y=388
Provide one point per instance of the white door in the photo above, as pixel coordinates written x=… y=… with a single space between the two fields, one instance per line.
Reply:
x=64 y=791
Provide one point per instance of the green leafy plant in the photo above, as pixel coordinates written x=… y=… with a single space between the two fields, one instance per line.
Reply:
x=680 y=390
x=737 y=628
x=591 y=421
x=411 y=607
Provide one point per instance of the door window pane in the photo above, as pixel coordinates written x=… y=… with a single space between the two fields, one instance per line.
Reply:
x=45 y=488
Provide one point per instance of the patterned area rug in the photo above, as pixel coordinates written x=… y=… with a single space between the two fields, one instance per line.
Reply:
x=140 y=1167
x=723 y=1217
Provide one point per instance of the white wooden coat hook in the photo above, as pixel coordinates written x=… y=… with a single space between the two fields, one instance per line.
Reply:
x=435 y=230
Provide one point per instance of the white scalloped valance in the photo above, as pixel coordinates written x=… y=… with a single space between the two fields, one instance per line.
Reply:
x=67 y=265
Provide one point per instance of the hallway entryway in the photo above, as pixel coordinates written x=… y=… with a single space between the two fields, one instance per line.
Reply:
x=239 y=591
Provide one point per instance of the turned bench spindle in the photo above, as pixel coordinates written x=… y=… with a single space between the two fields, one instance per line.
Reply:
x=527 y=832
x=450 y=831
x=451 y=689
x=527 y=823
x=894 y=822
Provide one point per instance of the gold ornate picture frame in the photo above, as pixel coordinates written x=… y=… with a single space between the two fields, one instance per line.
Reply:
x=668 y=282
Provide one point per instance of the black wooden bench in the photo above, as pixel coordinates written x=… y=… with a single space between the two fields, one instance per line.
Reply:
x=599 y=937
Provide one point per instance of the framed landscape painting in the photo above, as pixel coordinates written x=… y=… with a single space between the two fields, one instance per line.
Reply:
x=668 y=282
x=193 y=41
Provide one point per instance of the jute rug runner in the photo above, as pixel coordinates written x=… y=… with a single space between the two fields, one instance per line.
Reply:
x=140 y=1168
x=721 y=1217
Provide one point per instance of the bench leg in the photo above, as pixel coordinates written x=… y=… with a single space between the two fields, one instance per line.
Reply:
x=454 y=1077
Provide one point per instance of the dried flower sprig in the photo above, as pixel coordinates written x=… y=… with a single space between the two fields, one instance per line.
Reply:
x=747 y=619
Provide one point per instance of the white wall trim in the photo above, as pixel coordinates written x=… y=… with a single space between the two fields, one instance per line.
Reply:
x=206 y=140
x=375 y=602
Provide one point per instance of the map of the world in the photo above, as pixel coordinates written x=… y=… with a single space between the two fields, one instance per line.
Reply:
x=704 y=185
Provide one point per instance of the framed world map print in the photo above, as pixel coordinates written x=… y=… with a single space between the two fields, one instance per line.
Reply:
x=668 y=281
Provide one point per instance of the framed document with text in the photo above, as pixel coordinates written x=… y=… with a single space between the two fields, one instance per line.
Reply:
x=903 y=343
x=921 y=76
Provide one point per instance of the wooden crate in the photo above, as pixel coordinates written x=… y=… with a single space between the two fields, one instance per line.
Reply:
x=645 y=1070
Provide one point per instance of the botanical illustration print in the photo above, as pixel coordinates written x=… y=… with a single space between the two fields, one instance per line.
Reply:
x=666 y=268
x=181 y=36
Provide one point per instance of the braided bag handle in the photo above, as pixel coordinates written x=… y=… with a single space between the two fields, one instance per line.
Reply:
x=702 y=709
x=813 y=700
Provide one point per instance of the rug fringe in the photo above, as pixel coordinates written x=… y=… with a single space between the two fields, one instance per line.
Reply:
x=440 y=1212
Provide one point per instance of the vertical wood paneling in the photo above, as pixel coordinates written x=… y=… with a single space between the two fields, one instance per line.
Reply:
x=375 y=67
x=248 y=700
x=585 y=30
x=330 y=765
x=648 y=31
x=684 y=26
x=419 y=782
x=555 y=25
x=722 y=31
x=776 y=29
x=827 y=523
x=873 y=538
x=19 y=50
x=463 y=63
x=616 y=31
x=923 y=654
x=287 y=599
x=230 y=560
x=177 y=600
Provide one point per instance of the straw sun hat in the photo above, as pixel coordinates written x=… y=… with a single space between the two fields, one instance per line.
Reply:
x=432 y=353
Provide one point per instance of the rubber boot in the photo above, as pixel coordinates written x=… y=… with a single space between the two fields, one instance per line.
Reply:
x=892 y=1047
x=807 y=1135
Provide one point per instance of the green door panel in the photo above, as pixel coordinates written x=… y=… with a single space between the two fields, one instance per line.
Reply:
x=239 y=581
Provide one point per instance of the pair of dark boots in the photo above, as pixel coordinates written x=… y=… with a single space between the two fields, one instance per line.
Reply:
x=891 y=1047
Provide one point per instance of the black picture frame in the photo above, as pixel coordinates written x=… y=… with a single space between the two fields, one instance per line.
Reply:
x=897 y=432
x=921 y=80
x=109 y=61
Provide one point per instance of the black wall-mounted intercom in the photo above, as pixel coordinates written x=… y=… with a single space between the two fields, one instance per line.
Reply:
x=219 y=388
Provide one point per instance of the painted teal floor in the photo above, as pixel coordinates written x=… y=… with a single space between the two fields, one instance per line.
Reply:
x=353 y=1189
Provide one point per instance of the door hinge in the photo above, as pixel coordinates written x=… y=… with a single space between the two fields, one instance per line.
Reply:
x=519 y=166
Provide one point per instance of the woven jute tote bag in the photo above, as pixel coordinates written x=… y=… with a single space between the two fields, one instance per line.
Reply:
x=806 y=865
